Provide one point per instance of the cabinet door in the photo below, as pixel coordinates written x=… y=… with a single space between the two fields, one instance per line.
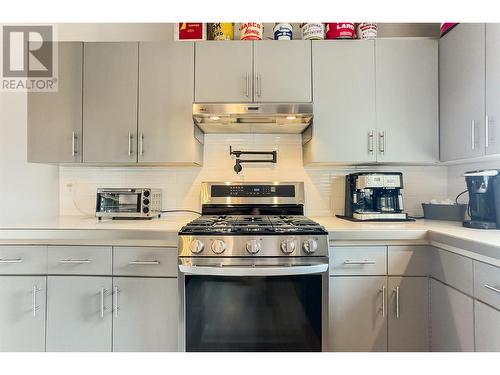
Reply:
x=452 y=319
x=22 y=313
x=79 y=314
x=344 y=103
x=282 y=71
x=492 y=129
x=487 y=322
x=408 y=311
x=166 y=79
x=146 y=314
x=55 y=118
x=223 y=71
x=357 y=314
x=407 y=100
x=110 y=102
x=461 y=91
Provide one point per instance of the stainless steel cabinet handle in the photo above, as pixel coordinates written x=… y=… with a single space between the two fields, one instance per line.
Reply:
x=381 y=143
x=364 y=261
x=130 y=143
x=102 y=302
x=247 y=86
x=473 y=134
x=73 y=144
x=370 y=142
x=144 y=262
x=258 y=84
x=115 y=294
x=11 y=260
x=397 y=301
x=141 y=144
x=75 y=261
x=492 y=288
x=383 y=301
x=487 y=132
x=34 y=292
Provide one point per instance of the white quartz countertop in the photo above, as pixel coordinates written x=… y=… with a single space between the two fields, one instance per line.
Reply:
x=74 y=230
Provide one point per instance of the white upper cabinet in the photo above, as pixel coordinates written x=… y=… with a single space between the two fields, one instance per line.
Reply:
x=344 y=103
x=223 y=71
x=492 y=128
x=407 y=100
x=282 y=71
x=244 y=71
x=462 y=92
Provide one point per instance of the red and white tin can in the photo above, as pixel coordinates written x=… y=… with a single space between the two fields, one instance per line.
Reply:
x=251 y=31
x=366 y=30
x=340 y=30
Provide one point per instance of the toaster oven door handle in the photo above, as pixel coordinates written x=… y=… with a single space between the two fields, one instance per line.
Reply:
x=253 y=270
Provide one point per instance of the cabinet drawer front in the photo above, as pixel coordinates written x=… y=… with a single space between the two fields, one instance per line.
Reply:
x=409 y=260
x=453 y=269
x=145 y=261
x=80 y=260
x=15 y=260
x=487 y=283
x=487 y=332
x=358 y=260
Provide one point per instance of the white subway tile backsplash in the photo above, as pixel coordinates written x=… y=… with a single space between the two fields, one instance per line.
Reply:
x=324 y=186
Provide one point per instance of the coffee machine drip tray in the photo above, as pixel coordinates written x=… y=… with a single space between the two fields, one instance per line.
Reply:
x=377 y=216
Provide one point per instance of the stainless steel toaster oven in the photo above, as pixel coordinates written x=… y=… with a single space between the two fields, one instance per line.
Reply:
x=134 y=203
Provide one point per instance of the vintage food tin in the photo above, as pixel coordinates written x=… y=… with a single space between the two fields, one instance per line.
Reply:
x=283 y=31
x=251 y=31
x=190 y=31
x=366 y=30
x=340 y=30
x=311 y=31
x=221 y=31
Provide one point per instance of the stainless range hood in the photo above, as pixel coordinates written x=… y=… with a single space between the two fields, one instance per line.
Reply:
x=291 y=118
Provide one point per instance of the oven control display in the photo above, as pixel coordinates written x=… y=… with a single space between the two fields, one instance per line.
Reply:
x=253 y=191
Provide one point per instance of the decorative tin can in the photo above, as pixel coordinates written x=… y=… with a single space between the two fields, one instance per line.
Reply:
x=283 y=31
x=251 y=31
x=366 y=30
x=311 y=31
x=340 y=30
x=221 y=31
x=190 y=31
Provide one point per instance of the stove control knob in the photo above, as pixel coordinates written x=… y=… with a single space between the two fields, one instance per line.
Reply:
x=196 y=246
x=287 y=246
x=253 y=246
x=218 y=246
x=310 y=246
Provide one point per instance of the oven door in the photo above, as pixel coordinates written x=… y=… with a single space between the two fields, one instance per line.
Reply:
x=116 y=203
x=254 y=305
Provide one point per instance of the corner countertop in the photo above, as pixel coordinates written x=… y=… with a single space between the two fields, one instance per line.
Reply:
x=482 y=245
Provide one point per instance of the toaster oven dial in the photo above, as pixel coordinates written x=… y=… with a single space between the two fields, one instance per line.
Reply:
x=145 y=210
x=196 y=246
x=145 y=201
x=287 y=246
x=146 y=193
x=310 y=246
x=253 y=246
x=218 y=246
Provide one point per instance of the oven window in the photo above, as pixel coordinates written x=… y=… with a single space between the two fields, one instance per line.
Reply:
x=253 y=313
x=119 y=202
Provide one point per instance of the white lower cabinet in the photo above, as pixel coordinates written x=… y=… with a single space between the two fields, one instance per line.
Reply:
x=145 y=316
x=408 y=314
x=22 y=313
x=487 y=328
x=452 y=319
x=79 y=316
x=357 y=314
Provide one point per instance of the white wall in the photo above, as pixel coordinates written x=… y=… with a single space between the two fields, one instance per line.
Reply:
x=181 y=186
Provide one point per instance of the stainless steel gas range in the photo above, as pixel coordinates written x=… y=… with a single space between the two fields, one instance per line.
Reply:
x=253 y=271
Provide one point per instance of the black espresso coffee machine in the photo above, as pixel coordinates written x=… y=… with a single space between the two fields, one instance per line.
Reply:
x=374 y=196
x=484 y=199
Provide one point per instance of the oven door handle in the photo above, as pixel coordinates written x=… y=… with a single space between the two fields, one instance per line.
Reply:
x=253 y=271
